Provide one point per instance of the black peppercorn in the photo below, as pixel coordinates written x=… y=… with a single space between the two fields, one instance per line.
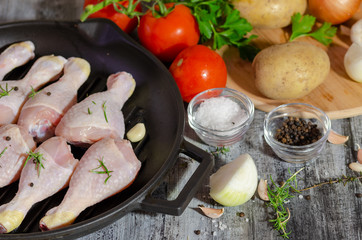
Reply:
x=297 y=132
x=197 y=232
x=49 y=93
x=7 y=138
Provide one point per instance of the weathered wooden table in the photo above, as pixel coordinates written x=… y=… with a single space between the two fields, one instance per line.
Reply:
x=330 y=212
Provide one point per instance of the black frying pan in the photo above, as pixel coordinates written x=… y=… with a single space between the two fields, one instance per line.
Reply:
x=156 y=101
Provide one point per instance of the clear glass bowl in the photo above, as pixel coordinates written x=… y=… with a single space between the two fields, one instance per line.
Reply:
x=224 y=137
x=296 y=154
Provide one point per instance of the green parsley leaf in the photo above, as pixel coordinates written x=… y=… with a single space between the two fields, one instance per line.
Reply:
x=303 y=25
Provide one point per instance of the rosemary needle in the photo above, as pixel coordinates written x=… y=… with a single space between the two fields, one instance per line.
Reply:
x=3 y=151
x=6 y=91
x=33 y=92
x=106 y=171
x=104 y=111
x=38 y=157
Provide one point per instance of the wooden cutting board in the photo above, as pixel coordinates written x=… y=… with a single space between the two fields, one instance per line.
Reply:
x=338 y=95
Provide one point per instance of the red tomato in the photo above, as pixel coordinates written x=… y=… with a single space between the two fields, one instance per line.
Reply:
x=196 y=69
x=166 y=36
x=123 y=21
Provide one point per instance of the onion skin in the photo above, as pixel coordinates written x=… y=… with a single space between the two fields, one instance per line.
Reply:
x=333 y=11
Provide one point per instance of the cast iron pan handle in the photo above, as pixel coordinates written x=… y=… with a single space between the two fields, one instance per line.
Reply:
x=177 y=206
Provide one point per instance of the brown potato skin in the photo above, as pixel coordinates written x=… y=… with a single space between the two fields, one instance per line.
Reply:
x=290 y=70
x=269 y=13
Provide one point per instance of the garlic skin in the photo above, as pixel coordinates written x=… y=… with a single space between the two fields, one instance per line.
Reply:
x=353 y=62
x=356 y=32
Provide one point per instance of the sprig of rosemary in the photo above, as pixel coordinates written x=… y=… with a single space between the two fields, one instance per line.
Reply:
x=278 y=195
x=104 y=111
x=37 y=160
x=103 y=166
x=33 y=92
x=5 y=92
x=89 y=111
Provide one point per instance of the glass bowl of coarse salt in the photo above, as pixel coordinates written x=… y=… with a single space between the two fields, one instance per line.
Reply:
x=220 y=116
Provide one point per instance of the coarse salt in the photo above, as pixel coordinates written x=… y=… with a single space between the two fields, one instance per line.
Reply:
x=220 y=113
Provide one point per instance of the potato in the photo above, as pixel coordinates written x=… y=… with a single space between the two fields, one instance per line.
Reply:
x=269 y=13
x=290 y=70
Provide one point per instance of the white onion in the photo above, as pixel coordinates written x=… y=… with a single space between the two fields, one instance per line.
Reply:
x=234 y=183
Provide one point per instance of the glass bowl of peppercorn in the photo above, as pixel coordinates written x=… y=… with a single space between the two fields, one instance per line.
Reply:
x=297 y=132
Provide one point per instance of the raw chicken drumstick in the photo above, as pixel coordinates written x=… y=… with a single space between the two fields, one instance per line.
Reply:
x=14 y=93
x=106 y=168
x=46 y=172
x=15 y=55
x=99 y=115
x=42 y=113
x=15 y=143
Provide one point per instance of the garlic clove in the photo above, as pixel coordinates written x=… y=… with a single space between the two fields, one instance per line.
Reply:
x=212 y=212
x=137 y=133
x=263 y=190
x=353 y=62
x=356 y=32
x=337 y=138
x=355 y=166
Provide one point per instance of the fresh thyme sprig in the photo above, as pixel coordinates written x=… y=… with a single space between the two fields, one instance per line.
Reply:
x=33 y=92
x=278 y=195
x=3 y=151
x=37 y=160
x=104 y=111
x=103 y=166
x=344 y=179
x=220 y=150
x=5 y=92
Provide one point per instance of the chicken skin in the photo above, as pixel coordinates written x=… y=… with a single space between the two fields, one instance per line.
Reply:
x=15 y=55
x=99 y=115
x=106 y=168
x=46 y=171
x=13 y=94
x=42 y=113
x=15 y=143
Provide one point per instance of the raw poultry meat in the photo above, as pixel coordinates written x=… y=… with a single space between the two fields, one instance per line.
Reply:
x=99 y=115
x=45 y=173
x=15 y=55
x=42 y=113
x=14 y=93
x=15 y=143
x=106 y=168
